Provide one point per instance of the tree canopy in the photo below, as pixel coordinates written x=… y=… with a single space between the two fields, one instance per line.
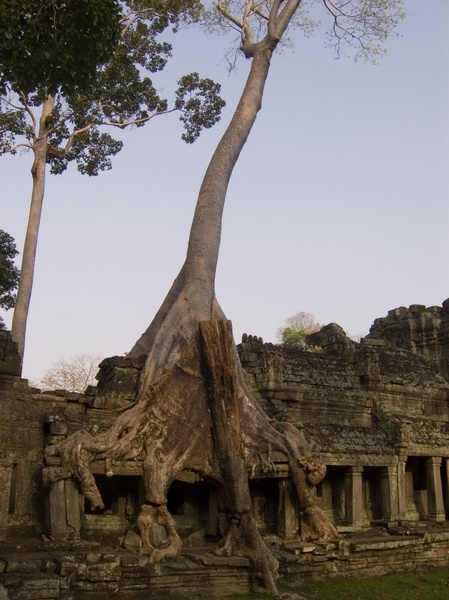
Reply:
x=9 y=273
x=80 y=67
x=55 y=44
x=118 y=93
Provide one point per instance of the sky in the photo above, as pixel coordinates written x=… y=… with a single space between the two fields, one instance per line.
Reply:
x=338 y=205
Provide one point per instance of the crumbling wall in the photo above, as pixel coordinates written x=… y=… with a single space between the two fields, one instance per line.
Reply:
x=420 y=329
x=24 y=413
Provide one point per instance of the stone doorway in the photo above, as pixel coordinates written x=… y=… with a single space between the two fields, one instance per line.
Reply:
x=372 y=493
x=416 y=488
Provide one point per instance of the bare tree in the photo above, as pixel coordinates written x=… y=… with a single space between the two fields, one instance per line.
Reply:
x=297 y=328
x=194 y=410
x=73 y=374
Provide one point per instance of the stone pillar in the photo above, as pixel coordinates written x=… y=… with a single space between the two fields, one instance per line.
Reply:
x=402 y=488
x=63 y=510
x=435 y=504
x=287 y=518
x=72 y=509
x=5 y=492
x=389 y=490
x=354 y=496
x=57 y=521
x=446 y=487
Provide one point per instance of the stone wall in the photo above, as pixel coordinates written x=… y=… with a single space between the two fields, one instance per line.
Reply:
x=68 y=573
x=420 y=329
x=23 y=436
x=376 y=412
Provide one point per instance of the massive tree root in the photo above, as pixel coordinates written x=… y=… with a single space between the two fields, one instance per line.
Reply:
x=199 y=416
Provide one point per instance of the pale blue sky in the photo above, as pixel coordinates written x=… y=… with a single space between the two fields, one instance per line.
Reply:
x=338 y=205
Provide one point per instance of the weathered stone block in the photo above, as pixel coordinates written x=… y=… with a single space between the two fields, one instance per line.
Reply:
x=5 y=491
x=132 y=541
x=23 y=565
x=104 y=571
x=40 y=588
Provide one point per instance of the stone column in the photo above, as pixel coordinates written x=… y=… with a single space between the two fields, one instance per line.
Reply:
x=446 y=487
x=389 y=490
x=63 y=510
x=73 y=509
x=287 y=518
x=435 y=504
x=5 y=492
x=354 y=496
x=57 y=516
x=402 y=488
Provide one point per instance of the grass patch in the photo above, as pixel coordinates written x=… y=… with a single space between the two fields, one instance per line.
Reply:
x=429 y=586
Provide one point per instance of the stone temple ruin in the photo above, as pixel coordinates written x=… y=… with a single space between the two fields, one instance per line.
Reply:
x=376 y=411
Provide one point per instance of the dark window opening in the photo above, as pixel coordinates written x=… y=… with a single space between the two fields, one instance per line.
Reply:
x=264 y=504
x=372 y=491
x=120 y=495
x=188 y=503
x=13 y=491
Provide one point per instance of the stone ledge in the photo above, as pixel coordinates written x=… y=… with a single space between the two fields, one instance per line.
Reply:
x=94 y=570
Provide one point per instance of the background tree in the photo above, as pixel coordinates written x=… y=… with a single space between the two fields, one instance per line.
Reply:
x=194 y=410
x=297 y=328
x=73 y=374
x=57 y=102
x=9 y=273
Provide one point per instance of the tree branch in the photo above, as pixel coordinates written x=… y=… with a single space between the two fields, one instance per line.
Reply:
x=16 y=147
x=229 y=16
x=30 y=112
x=137 y=121
x=285 y=16
x=64 y=152
x=272 y=29
x=7 y=101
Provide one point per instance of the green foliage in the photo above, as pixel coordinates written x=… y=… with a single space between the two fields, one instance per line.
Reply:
x=55 y=44
x=292 y=337
x=93 y=150
x=9 y=273
x=297 y=328
x=122 y=94
x=200 y=104
x=12 y=123
x=164 y=13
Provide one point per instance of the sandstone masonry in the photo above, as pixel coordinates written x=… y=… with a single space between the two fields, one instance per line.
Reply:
x=377 y=412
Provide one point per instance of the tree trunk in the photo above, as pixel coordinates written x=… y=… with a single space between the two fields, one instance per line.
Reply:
x=19 y=321
x=223 y=389
x=194 y=410
x=193 y=290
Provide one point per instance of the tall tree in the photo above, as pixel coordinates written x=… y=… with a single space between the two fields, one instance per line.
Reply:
x=194 y=410
x=9 y=273
x=57 y=102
